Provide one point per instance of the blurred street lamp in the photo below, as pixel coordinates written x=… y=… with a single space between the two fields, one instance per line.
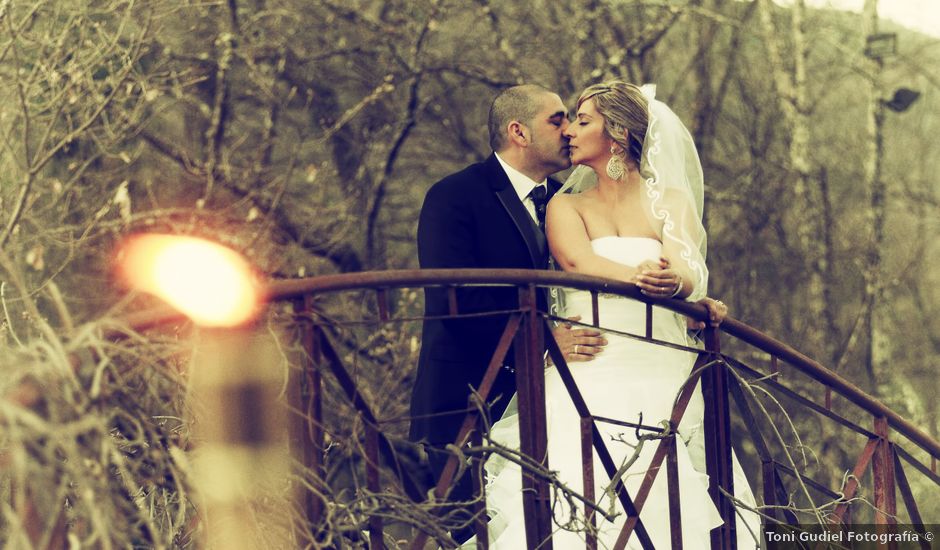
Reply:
x=239 y=461
x=209 y=283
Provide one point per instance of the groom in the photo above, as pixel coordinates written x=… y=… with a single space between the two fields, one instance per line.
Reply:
x=488 y=215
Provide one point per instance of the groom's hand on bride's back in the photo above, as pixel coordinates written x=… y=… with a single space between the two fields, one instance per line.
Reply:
x=578 y=344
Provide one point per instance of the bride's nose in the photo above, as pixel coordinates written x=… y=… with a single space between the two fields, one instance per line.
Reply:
x=569 y=131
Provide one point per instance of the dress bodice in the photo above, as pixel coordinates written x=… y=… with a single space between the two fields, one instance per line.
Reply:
x=630 y=251
x=618 y=313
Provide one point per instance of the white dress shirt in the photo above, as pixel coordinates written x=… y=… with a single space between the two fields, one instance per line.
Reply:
x=523 y=186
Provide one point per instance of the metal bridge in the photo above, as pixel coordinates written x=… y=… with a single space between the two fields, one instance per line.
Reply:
x=739 y=368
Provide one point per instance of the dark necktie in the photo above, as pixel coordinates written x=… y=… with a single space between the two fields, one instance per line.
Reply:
x=540 y=198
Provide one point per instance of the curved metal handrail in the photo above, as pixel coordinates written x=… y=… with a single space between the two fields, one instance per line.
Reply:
x=286 y=289
x=293 y=288
x=301 y=290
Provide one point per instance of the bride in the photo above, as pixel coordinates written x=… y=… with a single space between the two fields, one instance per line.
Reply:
x=632 y=212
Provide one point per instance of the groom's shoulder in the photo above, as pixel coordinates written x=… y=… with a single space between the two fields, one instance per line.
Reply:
x=469 y=177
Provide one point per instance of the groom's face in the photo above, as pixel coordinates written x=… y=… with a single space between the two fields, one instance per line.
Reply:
x=549 y=145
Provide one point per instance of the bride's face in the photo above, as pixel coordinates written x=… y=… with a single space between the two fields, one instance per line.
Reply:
x=587 y=141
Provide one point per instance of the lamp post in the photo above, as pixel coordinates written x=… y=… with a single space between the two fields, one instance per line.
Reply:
x=878 y=46
x=240 y=453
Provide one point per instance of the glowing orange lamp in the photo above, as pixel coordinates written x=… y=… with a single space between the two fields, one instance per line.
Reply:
x=235 y=379
x=213 y=285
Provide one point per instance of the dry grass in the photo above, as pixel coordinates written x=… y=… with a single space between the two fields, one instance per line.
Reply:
x=91 y=431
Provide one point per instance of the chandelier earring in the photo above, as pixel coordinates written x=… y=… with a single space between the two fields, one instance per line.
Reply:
x=615 y=166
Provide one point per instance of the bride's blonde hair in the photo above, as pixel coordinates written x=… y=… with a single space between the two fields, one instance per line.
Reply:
x=624 y=107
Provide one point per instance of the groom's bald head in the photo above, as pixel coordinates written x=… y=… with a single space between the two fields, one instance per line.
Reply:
x=519 y=103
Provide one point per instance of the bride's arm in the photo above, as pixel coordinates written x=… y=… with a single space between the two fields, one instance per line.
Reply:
x=681 y=247
x=571 y=247
x=675 y=266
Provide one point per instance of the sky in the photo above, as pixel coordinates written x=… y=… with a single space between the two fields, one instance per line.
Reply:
x=920 y=15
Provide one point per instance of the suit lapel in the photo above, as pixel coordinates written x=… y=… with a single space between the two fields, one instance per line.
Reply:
x=522 y=219
x=507 y=196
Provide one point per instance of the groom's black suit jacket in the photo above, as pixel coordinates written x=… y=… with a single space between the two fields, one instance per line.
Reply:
x=471 y=219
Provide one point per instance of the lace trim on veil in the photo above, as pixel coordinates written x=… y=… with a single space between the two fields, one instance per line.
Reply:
x=652 y=148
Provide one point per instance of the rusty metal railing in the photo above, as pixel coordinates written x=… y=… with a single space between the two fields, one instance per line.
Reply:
x=724 y=382
x=727 y=381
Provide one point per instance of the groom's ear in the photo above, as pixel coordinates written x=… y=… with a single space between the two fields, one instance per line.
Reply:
x=518 y=133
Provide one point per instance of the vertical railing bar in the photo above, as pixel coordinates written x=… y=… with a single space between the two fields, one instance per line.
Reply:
x=775 y=366
x=532 y=430
x=587 y=470
x=452 y=301
x=717 y=428
x=672 y=479
x=479 y=490
x=849 y=517
x=372 y=481
x=904 y=487
x=314 y=410
x=306 y=424
x=381 y=298
x=536 y=339
x=595 y=310
x=649 y=321
x=882 y=469
x=828 y=398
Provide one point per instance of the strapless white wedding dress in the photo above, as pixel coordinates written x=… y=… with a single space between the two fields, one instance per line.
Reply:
x=627 y=379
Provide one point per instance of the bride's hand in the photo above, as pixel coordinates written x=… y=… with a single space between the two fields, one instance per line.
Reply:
x=658 y=279
x=651 y=265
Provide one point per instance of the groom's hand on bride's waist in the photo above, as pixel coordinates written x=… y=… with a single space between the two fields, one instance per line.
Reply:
x=578 y=344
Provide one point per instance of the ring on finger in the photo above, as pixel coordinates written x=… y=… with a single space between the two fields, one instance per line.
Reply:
x=576 y=349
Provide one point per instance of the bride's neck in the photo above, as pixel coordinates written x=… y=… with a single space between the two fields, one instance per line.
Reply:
x=606 y=184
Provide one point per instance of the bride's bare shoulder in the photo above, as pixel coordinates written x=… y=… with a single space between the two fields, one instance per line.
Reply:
x=571 y=200
x=563 y=202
